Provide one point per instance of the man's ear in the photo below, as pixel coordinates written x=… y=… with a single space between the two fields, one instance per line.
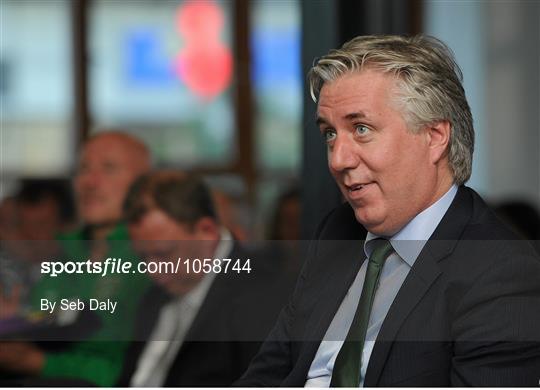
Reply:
x=207 y=228
x=439 y=139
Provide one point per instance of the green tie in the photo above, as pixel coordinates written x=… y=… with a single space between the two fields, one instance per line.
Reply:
x=346 y=371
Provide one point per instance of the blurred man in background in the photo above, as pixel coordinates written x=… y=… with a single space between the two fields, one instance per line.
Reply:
x=30 y=222
x=108 y=164
x=12 y=275
x=45 y=208
x=200 y=328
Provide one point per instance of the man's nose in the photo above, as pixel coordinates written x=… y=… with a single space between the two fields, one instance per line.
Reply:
x=89 y=179
x=343 y=155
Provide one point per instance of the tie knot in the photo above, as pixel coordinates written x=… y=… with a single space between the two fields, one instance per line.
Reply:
x=381 y=250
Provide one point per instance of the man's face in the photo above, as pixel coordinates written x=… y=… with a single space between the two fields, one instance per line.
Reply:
x=383 y=170
x=106 y=170
x=40 y=220
x=159 y=238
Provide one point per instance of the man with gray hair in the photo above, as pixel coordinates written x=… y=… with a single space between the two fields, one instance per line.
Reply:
x=438 y=293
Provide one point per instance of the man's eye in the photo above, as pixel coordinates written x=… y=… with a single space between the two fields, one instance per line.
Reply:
x=110 y=168
x=362 y=130
x=81 y=169
x=329 y=135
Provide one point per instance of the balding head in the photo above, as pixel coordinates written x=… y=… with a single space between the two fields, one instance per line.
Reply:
x=109 y=163
x=136 y=152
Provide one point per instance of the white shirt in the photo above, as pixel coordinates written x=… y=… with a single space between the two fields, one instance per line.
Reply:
x=407 y=244
x=175 y=319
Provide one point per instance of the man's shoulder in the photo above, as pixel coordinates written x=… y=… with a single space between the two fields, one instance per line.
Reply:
x=470 y=218
x=482 y=223
x=483 y=241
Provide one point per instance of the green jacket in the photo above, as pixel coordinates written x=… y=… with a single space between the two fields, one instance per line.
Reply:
x=98 y=359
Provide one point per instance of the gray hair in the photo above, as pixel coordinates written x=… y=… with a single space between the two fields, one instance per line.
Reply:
x=429 y=82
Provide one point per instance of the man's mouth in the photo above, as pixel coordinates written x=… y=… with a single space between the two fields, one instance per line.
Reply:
x=356 y=188
x=90 y=199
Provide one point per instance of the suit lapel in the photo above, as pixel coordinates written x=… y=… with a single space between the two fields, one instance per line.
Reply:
x=340 y=255
x=209 y=309
x=422 y=275
x=336 y=288
x=346 y=258
x=414 y=287
x=223 y=288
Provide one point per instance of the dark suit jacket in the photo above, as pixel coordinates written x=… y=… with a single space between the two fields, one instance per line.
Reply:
x=468 y=312
x=230 y=326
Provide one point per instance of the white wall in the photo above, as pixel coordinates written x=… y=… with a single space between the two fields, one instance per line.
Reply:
x=497 y=44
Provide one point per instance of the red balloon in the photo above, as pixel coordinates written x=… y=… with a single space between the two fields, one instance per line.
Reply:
x=205 y=64
x=206 y=71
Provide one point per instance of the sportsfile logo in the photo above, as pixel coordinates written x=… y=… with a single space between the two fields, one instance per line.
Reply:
x=113 y=266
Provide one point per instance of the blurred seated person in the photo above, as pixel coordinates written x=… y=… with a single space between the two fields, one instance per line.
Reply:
x=286 y=219
x=8 y=218
x=39 y=210
x=45 y=208
x=229 y=197
x=231 y=212
x=285 y=249
x=108 y=164
x=11 y=271
x=196 y=328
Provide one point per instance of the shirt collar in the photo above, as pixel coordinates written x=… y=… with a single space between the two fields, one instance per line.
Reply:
x=410 y=240
x=195 y=297
x=225 y=244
